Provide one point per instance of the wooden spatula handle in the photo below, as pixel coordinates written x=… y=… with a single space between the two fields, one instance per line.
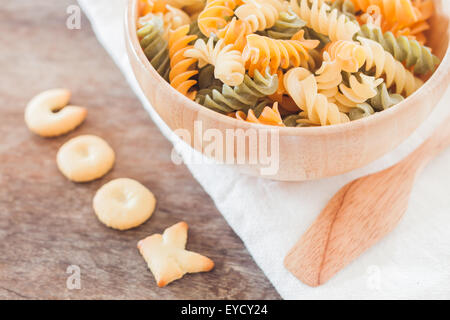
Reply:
x=359 y=215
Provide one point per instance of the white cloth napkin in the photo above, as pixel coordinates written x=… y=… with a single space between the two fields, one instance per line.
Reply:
x=269 y=216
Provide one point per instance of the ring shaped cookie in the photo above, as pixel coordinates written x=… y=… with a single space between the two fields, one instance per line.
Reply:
x=48 y=115
x=85 y=158
x=123 y=204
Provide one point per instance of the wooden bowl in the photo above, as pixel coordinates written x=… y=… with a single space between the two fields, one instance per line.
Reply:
x=304 y=153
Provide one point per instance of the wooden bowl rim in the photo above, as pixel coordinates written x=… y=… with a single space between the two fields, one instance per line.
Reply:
x=131 y=17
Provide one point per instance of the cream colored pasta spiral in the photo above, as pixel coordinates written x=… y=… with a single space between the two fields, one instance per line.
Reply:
x=319 y=16
x=302 y=87
x=385 y=65
x=175 y=18
x=229 y=64
x=358 y=92
x=329 y=76
x=259 y=14
x=349 y=54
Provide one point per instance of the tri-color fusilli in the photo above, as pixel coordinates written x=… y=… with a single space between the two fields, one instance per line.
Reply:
x=292 y=63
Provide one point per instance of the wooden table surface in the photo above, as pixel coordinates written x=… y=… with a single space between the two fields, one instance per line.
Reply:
x=47 y=223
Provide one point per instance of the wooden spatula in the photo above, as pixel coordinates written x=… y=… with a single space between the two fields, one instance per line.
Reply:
x=360 y=214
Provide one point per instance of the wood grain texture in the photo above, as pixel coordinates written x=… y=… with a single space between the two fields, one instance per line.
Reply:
x=47 y=223
x=360 y=215
x=307 y=153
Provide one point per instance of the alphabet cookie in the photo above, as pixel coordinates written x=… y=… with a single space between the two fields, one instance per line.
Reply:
x=167 y=257
x=85 y=158
x=48 y=115
x=123 y=204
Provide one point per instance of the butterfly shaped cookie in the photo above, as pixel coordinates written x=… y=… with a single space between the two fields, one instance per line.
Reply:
x=167 y=257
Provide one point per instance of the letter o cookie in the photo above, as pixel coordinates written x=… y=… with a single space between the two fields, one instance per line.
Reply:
x=123 y=204
x=48 y=115
x=85 y=158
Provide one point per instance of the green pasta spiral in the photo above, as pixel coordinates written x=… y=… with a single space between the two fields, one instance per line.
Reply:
x=258 y=109
x=344 y=6
x=291 y=121
x=384 y=100
x=195 y=30
x=243 y=97
x=361 y=111
x=154 y=46
x=405 y=50
x=287 y=24
x=206 y=78
x=310 y=34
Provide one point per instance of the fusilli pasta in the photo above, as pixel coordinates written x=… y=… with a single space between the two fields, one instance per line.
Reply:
x=302 y=86
x=360 y=111
x=263 y=52
x=317 y=14
x=269 y=116
x=329 y=77
x=228 y=63
x=282 y=97
x=185 y=3
x=350 y=55
x=384 y=100
x=286 y=26
x=235 y=33
x=359 y=90
x=395 y=12
x=316 y=62
x=408 y=51
x=181 y=72
x=152 y=6
x=195 y=30
x=154 y=46
x=345 y=6
x=214 y=15
x=175 y=18
x=401 y=17
x=244 y=96
x=206 y=78
x=384 y=63
x=259 y=14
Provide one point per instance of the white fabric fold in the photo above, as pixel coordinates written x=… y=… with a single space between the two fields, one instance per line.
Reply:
x=412 y=262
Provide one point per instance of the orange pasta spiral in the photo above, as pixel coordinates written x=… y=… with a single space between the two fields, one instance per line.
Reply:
x=393 y=11
x=213 y=17
x=152 y=6
x=281 y=95
x=269 y=116
x=181 y=67
x=262 y=52
x=235 y=33
x=402 y=17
